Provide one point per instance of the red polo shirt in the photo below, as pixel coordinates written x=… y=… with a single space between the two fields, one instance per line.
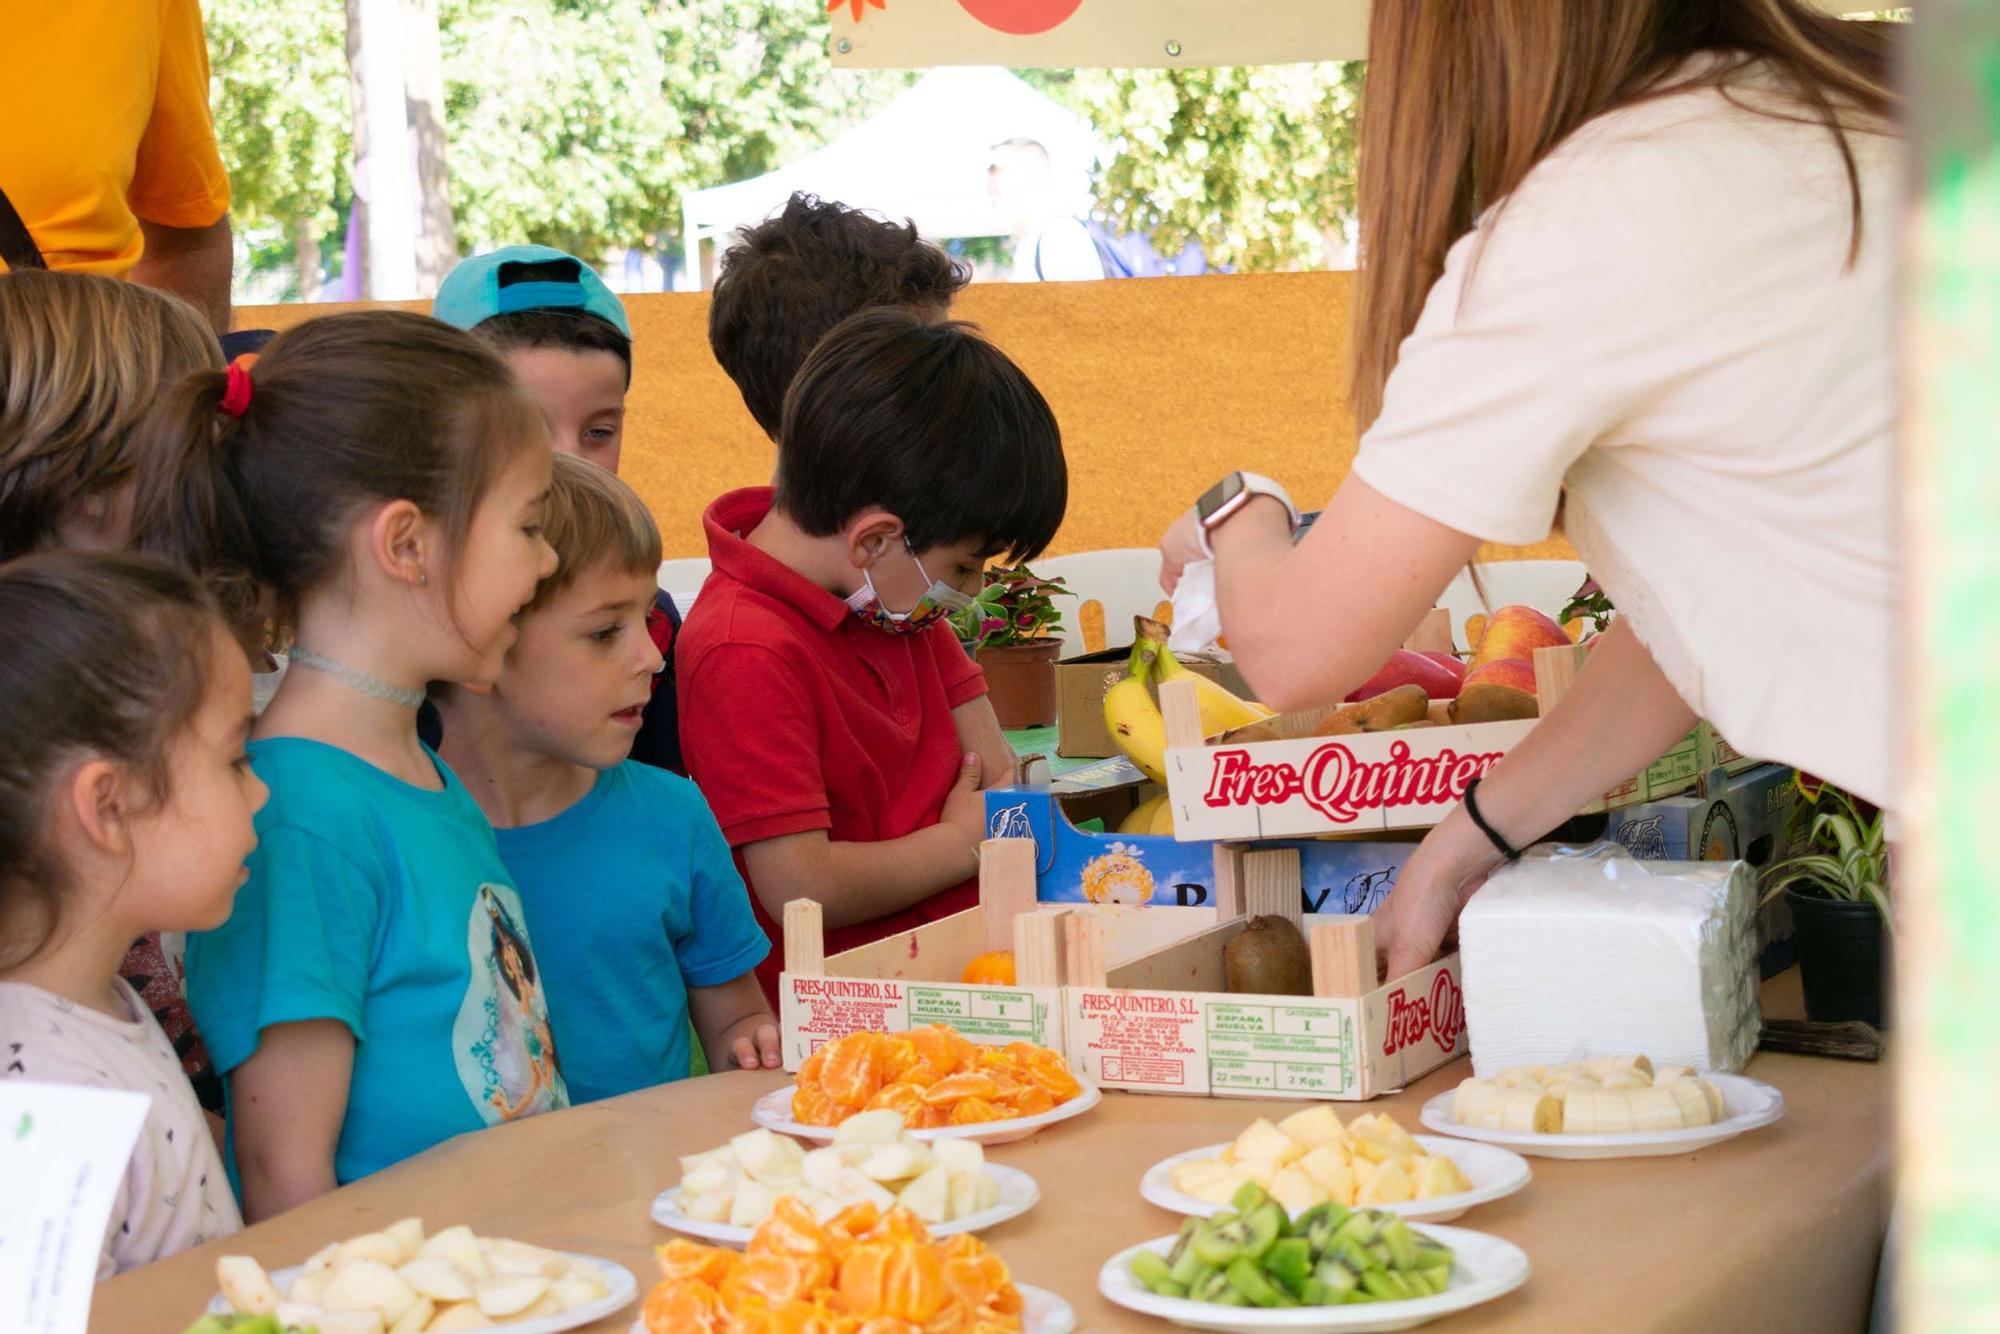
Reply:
x=795 y=716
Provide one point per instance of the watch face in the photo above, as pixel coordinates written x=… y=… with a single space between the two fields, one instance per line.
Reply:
x=1217 y=496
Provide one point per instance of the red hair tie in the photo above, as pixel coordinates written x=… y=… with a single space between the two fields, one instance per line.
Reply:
x=236 y=394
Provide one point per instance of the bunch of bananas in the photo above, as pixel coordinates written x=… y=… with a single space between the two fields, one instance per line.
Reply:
x=1133 y=716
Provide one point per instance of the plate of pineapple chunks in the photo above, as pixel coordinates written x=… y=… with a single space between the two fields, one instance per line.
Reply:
x=726 y=1193
x=402 y=1280
x=1605 y=1107
x=1311 y=1158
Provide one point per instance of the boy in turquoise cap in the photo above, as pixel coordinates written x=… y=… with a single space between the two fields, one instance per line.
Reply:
x=565 y=335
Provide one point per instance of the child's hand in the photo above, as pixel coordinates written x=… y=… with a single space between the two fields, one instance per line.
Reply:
x=965 y=806
x=758 y=1050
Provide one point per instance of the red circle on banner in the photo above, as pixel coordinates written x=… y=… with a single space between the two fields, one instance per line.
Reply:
x=1022 y=18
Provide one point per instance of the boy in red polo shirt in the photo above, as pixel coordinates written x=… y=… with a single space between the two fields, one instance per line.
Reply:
x=828 y=712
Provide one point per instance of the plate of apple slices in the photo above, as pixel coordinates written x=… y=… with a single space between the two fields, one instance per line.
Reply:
x=1607 y=1107
x=403 y=1281
x=725 y=1193
x=1311 y=1157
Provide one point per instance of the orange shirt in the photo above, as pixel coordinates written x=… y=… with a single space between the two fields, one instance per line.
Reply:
x=105 y=104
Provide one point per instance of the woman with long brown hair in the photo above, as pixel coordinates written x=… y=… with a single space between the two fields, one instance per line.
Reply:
x=1635 y=260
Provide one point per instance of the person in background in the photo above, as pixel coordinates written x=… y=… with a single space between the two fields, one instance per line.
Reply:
x=1050 y=243
x=375 y=487
x=109 y=162
x=126 y=807
x=614 y=859
x=787 y=281
x=566 y=337
x=831 y=717
x=1636 y=265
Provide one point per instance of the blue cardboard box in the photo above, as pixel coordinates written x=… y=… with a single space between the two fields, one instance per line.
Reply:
x=1082 y=866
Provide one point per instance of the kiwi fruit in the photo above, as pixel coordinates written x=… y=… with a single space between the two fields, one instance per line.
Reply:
x=1268 y=957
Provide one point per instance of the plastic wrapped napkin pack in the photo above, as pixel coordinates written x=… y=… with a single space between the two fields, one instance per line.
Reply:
x=1573 y=953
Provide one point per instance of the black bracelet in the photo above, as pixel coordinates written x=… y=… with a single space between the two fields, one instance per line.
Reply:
x=1507 y=850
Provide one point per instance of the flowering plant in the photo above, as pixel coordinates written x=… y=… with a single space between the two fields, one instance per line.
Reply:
x=1016 y=606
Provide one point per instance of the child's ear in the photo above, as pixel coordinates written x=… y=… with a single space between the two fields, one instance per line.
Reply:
x=397 y=541
x=872 y=534
x=98 y=801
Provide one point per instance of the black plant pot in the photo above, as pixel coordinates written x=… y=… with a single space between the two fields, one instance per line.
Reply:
x=1843 y=959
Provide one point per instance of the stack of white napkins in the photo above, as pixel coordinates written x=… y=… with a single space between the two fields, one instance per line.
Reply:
x=1572 y=954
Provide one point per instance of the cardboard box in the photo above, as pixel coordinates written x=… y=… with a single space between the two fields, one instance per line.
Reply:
x=1080 y=685
x=1163 y=1023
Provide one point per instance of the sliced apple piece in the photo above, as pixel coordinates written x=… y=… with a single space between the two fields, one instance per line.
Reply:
x=460 y=1316
x=502 y=1297
x=880 y=1126
x=245 y=1285
x=458 y=1245
x=437 y=1278
x=929 y=1196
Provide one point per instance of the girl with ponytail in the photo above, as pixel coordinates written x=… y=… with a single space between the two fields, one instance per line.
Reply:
x=370 y=493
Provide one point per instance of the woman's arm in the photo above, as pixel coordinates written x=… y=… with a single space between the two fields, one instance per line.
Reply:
x=1307 y=624
x=735 y=1025
x=290 y=1100
x=1619 y=716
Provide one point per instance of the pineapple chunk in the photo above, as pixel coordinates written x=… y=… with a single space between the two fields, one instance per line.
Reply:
x=1389 y=1183
x=881 y=1126
x=1438 y=1175
x=1296 y=1191
x=1330 y=1165
x=1264 y=1142
x=1218 y=1190
x=1313 y=1127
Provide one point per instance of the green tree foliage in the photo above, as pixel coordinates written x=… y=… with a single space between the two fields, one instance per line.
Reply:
x=1256 y=163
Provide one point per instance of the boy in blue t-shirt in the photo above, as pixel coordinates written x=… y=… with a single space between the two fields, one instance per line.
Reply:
x=641 y=921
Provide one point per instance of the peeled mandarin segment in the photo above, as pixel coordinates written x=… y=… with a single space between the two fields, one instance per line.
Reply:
x=775 y=1279
x=682 y=1258
x=856 y=1068
x=812 y=1107
x=683 y=1307
x=1034 y=1101
x=975 y=1111
x=907 y=1099
x=953 y=1088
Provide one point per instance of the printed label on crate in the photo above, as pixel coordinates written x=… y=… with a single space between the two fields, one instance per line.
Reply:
x=816 y=1010
x=1418 y=1024
x=1145 y=1040
x=1385 y=781
x=1281 y=1047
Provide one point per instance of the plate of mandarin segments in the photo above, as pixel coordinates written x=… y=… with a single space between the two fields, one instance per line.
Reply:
x=773 y=1111
x=1750 y=1104
x=1042 y=1312
x=1483 y=1267
x=1495 y=1173
x=1017 y=1191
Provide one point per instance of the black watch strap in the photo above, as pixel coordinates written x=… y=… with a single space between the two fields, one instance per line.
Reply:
x=1506 y=849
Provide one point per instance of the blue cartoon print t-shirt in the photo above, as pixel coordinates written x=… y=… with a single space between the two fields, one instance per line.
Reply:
x=385 y=907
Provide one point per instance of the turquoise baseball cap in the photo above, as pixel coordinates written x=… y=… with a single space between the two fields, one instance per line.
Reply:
x=524 y=277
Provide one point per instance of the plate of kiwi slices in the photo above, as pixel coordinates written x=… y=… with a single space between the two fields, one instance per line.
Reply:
x=1254 y=1268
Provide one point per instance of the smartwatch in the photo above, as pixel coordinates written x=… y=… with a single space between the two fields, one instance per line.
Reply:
x=1231 y=494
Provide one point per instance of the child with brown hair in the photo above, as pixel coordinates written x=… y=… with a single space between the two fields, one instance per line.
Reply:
x=613 y=858
x=125 y=807
x=379 y=481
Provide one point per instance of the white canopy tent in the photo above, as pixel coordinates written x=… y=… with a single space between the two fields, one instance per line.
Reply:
x=922 y=157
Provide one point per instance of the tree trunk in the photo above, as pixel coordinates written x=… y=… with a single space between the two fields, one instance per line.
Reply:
x=305 y=249
x=423 y=71
x=385 y=185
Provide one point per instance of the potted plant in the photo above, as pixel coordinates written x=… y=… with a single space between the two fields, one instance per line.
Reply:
x=1014 y=632
x=1838 y=894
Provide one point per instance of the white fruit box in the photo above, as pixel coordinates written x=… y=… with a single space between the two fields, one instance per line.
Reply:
x=1163 y=1023
x=1302 y=784
x=911 y=979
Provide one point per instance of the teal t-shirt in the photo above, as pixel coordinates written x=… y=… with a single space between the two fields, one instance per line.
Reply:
x=635 y=898
x=386 y=907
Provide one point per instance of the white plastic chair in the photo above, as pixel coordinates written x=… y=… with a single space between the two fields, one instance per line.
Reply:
x=682 y=579
x=1111 y=588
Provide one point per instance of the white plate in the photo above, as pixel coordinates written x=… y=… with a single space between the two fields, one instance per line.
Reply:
x=1018 y=1194
x=1749 y=1102
x=1494 y=1173
x=1483 y=1267
x=773 y=1111
x=1042 y=1312
x=623 y=1288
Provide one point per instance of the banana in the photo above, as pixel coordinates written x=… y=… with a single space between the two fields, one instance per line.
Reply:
x=1614 y=1112
x=1221 y=711
x=1461 y=1099
x=1163 y=819
x=1579 y=1111
x=1142 y=816
x=1690 y=1100
x=1717 y=1109
x=1529 y=1112
x=1654 y=1109
x=1134 y=720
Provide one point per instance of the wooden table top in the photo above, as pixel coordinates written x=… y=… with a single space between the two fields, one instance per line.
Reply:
x=1777 y=1230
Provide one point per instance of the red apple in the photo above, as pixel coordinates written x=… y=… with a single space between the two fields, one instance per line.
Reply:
x=1497 y=692
x=1451 y=662
x=1516 y=632
x=1406 y=668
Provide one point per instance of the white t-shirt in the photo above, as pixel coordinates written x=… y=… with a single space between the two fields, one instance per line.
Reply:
x=1059 y=251
x=176 y=1194
x=1662 y=323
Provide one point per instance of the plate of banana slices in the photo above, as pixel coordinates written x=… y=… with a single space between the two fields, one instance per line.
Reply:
x=1609 y=1107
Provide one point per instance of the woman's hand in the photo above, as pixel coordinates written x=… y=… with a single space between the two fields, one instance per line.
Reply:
x=1180 y=548
x=1422 y=910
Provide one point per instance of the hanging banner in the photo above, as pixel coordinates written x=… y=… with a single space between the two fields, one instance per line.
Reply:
x=1079 y=34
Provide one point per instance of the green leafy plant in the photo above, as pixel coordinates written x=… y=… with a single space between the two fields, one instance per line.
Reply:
x=1588 y=601
x=1847 y=852
x=1016 y=606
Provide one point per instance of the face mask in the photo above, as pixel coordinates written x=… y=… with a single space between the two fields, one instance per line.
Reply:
x=940 y=600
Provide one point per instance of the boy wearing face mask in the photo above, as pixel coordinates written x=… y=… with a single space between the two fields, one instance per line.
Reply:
x=828 y=712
